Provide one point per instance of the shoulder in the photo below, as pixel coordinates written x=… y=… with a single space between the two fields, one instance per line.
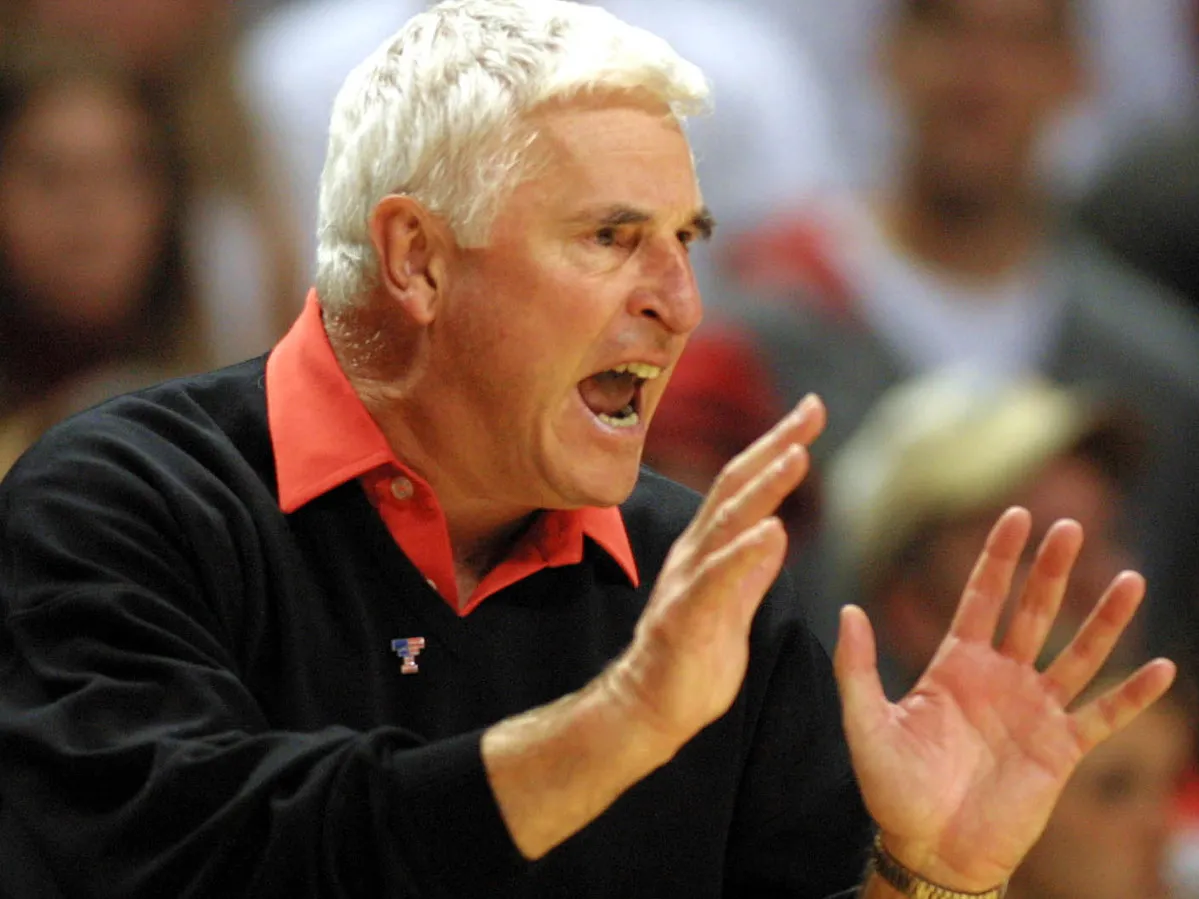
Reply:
x=657 y=512
x=1153 y=327
x=156 y=496
x=206 y=422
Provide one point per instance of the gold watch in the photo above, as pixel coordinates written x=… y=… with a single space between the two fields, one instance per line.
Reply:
x=909 y=883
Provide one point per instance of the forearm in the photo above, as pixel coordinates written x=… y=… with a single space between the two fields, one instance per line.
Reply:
x=555 y=769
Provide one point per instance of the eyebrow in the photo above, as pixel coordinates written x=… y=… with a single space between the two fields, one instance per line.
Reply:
x=703 y=221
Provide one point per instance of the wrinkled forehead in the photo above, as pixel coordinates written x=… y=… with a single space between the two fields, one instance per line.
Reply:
x=622 y=143
x=583 y=125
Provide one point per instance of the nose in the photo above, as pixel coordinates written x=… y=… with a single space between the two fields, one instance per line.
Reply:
x=667 y=292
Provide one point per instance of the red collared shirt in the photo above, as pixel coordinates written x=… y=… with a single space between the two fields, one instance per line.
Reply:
x=323 y=436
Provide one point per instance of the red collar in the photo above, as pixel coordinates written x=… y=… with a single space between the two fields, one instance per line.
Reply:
x=322 y=436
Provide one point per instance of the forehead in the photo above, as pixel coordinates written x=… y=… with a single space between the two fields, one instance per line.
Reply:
x=611 y=152
x=75 y=109
x=1055 y=12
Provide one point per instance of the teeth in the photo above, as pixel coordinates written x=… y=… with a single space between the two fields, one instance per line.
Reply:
x=642 y=370
x=627 y=419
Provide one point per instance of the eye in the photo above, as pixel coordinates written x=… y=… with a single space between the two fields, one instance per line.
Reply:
x=621 y=237
x=686 y=237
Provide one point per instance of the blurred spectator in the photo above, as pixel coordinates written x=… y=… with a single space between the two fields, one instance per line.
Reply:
x=767 y=141
x=913 y=493
x=1114 y=832
x=911 y=498
x=240 y=236
x=292 y=102
x=1146 y=207
x=963 y=262
x=1139 y=55
x=92 y=275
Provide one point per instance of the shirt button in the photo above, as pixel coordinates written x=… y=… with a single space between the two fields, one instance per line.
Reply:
x=431 y=583
x=402 y=489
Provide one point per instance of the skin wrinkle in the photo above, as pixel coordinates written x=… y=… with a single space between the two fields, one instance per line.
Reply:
x=452 y=353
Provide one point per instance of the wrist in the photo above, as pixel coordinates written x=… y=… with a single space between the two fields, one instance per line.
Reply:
x=611 y=709
x=556 y=768
x=924 y=863
x=631 y=692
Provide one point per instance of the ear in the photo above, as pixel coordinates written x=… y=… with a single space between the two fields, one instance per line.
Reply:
x=412 y=246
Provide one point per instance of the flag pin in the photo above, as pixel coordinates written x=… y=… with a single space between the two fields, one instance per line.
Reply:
x=408 y=648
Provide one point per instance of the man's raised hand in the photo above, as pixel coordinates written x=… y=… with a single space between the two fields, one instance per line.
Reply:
x=962 y=774
x=691 y=648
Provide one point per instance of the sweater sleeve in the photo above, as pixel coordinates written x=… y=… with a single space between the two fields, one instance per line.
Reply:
x=800 y=829
x=134 y=761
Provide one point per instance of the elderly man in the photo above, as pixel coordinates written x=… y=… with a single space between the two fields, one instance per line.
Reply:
x=395 y=611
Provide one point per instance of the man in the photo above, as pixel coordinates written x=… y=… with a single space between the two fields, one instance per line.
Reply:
x=961 y=261
x=366 y=618
x=1143 y=58
x=914 y=491
x=1121 y=826
x=912 y=494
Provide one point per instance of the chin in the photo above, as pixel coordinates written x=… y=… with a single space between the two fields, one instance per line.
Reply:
x=609 y=485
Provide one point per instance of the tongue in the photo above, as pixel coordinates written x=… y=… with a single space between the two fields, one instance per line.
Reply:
x=608 y=392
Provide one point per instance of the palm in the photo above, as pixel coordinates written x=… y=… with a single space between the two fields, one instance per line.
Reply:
x=962 y=773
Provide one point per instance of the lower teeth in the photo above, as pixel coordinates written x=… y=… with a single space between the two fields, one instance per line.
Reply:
x=626 y=418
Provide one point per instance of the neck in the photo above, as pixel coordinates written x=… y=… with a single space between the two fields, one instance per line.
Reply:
x=386 y=368
x=979 y=237
x=482 y=529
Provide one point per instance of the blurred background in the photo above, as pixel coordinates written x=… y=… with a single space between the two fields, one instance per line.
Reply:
x=970 y=225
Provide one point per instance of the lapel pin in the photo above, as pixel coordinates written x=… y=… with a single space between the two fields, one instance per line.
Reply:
x=408 y=648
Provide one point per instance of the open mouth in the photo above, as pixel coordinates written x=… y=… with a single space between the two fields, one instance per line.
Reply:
x=614 y=396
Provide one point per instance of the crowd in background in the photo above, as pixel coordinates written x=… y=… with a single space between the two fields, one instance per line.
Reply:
x=972 y=226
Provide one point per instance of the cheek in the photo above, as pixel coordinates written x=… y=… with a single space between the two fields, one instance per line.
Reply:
x=33 y=229
x=523 y=326
x=133 y=218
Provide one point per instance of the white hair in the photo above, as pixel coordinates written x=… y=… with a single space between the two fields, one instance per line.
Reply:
x=440 y=113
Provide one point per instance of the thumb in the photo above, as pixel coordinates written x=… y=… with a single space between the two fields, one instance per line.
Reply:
x=863 y=703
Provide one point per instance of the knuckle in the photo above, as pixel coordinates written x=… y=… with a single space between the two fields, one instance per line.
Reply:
x=725 y=478
x=723 y=520
x=711 y=574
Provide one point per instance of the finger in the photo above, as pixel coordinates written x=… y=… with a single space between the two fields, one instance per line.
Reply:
x=800 y=426
x=1071 y=671
x=743 y=570
x=1042 y=596
x=855 y=664
x=1105 y=715
x=991 y=579
x=755 y=500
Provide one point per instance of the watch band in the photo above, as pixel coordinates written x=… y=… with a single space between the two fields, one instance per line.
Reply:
x=909 y=883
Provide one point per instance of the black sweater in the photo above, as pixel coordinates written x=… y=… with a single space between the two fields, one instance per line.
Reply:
x=198 y=695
